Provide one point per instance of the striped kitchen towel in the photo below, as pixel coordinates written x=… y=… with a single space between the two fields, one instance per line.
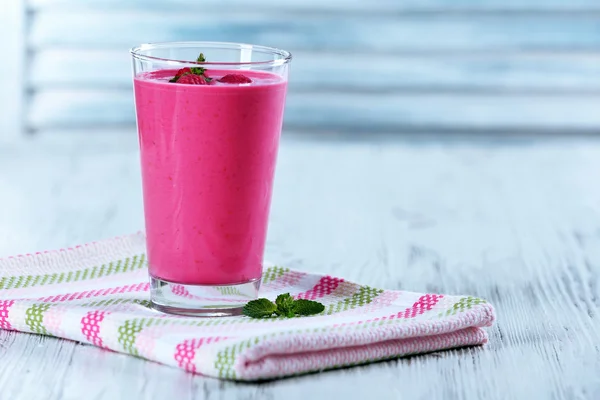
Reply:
x=99 y=294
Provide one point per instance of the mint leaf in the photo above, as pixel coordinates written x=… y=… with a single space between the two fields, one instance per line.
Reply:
x=259 y=308
x=308 y=307
x=285 y=305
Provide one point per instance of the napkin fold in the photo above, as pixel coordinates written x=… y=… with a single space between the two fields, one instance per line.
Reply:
x=98 y=294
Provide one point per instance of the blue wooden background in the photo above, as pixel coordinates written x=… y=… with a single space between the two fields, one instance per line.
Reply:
x=359 y=65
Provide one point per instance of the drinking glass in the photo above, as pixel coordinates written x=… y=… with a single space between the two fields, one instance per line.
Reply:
x=208 y=146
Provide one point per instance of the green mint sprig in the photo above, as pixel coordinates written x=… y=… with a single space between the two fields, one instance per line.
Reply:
x=284 y=306
x=199 y=70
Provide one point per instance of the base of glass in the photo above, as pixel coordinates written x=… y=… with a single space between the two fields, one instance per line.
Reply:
x=201 y=300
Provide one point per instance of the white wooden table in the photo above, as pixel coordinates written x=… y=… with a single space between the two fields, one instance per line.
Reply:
x=514 y=220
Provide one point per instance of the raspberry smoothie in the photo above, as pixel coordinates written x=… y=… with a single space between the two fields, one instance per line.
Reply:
x=208 y=155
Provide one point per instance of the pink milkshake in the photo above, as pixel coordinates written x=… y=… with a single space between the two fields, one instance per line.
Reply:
x=208 y=154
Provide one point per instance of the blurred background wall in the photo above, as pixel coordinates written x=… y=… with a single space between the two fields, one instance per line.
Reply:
x=359 y=65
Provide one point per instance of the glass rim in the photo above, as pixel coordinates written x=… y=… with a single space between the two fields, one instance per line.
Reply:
x=136 y=52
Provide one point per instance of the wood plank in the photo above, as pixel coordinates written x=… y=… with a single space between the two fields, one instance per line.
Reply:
x=110 y=29
x=387 y=6
x=354 y=111
x=26 y=352
x=68 y=69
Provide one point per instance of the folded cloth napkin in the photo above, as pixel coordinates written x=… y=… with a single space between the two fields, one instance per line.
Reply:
x=99 y=294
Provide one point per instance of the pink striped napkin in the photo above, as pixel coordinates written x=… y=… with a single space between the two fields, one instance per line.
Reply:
x=98 y=294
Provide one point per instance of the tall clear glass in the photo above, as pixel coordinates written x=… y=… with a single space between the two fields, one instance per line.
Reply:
x=208 y=145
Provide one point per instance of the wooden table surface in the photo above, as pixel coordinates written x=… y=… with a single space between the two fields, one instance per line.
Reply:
x=514 y=220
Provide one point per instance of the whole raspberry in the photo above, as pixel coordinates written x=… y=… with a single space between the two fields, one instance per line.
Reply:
x=235 y=78
x=191 y=79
